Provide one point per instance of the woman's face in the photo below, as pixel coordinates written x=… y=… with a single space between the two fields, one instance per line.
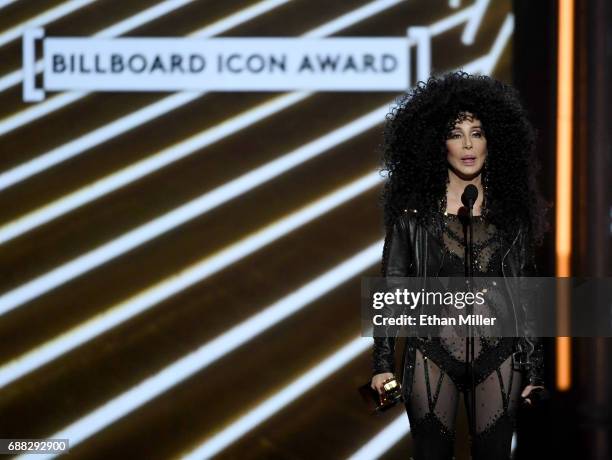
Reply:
x=466 y=147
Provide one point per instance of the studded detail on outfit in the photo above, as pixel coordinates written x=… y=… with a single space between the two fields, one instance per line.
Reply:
x=441 y=361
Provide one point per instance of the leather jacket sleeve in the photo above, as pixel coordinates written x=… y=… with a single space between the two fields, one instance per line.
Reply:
x=535 y=350
x=395 y=263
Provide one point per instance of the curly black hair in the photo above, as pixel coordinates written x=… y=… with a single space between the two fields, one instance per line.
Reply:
x=414 y=152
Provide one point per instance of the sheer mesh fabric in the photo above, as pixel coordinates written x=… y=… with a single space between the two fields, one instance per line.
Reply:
x=441 y=374
x=486 y=244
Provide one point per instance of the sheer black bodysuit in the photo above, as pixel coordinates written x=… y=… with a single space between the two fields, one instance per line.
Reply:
x=440 y=373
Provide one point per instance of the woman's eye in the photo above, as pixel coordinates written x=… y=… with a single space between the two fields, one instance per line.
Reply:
x=458 y=135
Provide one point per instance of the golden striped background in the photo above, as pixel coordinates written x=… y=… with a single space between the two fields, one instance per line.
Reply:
x=296 y=378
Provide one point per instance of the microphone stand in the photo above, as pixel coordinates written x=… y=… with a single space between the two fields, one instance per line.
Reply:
x=469 y=341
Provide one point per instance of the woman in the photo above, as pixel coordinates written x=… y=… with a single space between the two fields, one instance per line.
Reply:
x=445 y=134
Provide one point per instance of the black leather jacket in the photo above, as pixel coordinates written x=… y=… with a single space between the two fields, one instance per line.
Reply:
x=411 y=250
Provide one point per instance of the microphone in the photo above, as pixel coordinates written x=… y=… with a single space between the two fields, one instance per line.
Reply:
x=469 y=196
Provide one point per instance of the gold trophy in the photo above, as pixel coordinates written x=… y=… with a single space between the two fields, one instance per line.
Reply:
x=391 y=395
